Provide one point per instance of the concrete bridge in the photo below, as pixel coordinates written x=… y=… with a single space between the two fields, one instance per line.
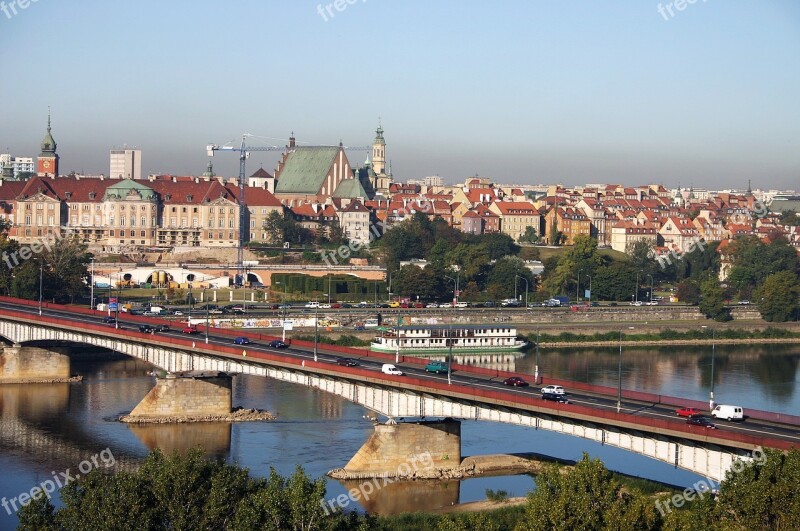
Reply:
x=471 y=395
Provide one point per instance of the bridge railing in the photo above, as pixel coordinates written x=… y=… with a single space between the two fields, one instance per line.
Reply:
x=628 y=394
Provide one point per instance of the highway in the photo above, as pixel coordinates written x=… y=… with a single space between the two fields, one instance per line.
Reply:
x=751 y=427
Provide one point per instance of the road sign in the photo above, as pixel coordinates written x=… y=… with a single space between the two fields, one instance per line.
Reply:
x=112 y=303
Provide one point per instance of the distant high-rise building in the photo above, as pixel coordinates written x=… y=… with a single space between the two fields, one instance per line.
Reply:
x=18 y=165
x=125 y=164
x=433 y=180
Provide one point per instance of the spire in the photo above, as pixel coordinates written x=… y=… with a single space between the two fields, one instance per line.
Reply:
x=48 y=144
x=749 y=188
x=209 y=173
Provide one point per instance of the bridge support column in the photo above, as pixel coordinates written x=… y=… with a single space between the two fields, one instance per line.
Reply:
x=20 y=364
x=408 y=450
x=186 y=395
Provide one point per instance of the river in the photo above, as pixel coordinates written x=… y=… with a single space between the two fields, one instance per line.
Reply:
x=48 y=428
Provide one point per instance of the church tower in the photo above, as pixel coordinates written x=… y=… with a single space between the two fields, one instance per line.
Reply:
x=47 y=165
x=378 y=151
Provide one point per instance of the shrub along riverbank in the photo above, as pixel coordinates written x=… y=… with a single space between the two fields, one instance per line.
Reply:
x=667 y=336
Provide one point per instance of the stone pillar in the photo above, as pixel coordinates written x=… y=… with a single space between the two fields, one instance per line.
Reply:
x=28 y=364
x=398 y=450
x=183 y=395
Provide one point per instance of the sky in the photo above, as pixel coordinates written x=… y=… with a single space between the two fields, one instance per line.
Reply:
x=521 y=91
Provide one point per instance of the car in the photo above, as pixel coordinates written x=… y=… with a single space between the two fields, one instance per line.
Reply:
x=312 y=304
x=238 y=311
x=419 y=305
x=177 y=312
x=110 y=320
x=216 y=311
x=651 y=303
x=394 y=304
x=147 y=329
x=436 y=367
x=462 y=305
x=390 y=369
x=489 y=304
x=553 y=389
x=637 y=303
x=515 y=381
x=241 y=341
x=277 y=343
x=744 y=302
x=432 y=305
x=325 y=306
x=722 y=411
x=346 y=362
x=191 y=330
x=594 y=304
x=702 y=422
x=359 y=327
x=688 y=412
x=346 y=305
x=555 y=398
x=285 y=307
x=162 y=328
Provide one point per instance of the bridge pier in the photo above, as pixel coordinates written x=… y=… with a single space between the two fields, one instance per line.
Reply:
x=406 y=450
x=23 y=364
x=189 y=395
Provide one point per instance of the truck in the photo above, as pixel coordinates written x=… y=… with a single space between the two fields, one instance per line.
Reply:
x=156 y=310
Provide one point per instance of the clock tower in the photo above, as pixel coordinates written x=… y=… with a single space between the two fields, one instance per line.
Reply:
x=47 y=165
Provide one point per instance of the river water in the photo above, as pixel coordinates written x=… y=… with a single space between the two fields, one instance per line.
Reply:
x=49 y=428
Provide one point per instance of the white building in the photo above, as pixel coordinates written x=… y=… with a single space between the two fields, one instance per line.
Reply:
x=125 y=164
x=433 y=180
x=19 y=164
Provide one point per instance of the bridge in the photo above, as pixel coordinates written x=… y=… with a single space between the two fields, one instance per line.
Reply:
x=646 y=423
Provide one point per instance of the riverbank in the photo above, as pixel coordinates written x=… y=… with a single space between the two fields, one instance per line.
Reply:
x=237 y=415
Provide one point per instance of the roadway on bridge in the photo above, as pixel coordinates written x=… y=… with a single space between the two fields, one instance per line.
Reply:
x=644 y=409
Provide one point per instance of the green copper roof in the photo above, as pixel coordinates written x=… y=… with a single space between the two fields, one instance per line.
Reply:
x=305 y=170
x=119 y=191
x=350 y=188
x=48 y=144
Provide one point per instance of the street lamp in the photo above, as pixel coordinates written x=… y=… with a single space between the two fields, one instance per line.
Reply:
x=526 y=288
x=578 y=287
x=651 y=286
x=206 y=300
x=450 y=353
x=330 y=276
x=41 y=271
x=536 y=367
x=619 y=374
x=711 y=403
x=316 y=331
x=636 y=293
x=590 y=287
x=91 y=297
x=451 y=279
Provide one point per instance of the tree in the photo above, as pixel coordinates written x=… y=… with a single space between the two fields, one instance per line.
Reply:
x=9 y=251
x=753 y=260
x=712 y=299
x=614 y=282
x=789 y=217
x=67 y=261
x=529 y=236
x=688 y=291
x=501 y=279
x=778 y=297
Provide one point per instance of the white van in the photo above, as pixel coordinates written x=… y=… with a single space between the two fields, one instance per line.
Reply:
x=388 y=368
x=728 y=412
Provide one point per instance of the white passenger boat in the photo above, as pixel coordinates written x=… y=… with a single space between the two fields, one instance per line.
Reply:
x=437 y=339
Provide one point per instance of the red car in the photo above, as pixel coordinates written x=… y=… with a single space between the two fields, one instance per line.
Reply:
x=516 y=381
x=688 y=412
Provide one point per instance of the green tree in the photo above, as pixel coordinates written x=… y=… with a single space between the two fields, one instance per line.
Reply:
x=789 y=217
x=712 y=299
x=529 y=236
x=688 y=291
x=614 y=282
x=9 y=255
x=753 y=260
x=67 y=262
x=778 y=298
x=501 y=280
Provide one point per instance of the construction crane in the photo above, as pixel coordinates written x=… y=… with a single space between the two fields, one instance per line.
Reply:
x=244 y=153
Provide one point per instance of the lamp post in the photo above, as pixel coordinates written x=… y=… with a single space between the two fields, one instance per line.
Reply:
x=536 y=367
x=191 y=300
x=329 y=288
x=711 y=403
x=651 y=286
x=450 y=352
x=389 y=293
x=283 y=323
x=206 y=300
x=119 y=279
x=619 y=374
x=578 y=287
x=316 y=331
x=91 y=297
x=455 y=289
x=41 y=272
x=590 y=287
x=526 y=288
x=636 y=293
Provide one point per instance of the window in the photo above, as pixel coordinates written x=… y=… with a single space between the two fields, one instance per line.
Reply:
x=111 y=232
x=39 y=206
x=27 y=221
x=121 y=233
x=143 y=221
x=210 y=222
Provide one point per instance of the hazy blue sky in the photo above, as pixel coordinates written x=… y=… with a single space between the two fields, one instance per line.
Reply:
x=522 y=91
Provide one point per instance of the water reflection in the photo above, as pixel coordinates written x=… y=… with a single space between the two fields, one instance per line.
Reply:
x=403 y=496
x=213 y=437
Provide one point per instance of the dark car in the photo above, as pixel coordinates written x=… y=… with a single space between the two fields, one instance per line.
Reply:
x=516 y=381
x=147 y=329
x=702 y=422
x=277 y=344
x=436 y=367
x=555 y=398
x=110 y=320
x=489 y=304
x=241 y=341
x=162 y=328
x=346 y=362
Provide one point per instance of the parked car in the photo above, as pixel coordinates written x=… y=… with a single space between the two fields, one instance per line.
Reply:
x=651 y=303
x=432 y=305
x=277 y=343
x=744 y=302
x=688 y=412
x=241 y=341
x=462 y=305
x=555 y=398
x=346 y=362
x=515 y=381
x=325 y=306
x=553 y=389
x=489 y=304
x=702 y=422
x=436 y=367
x=390 y=369
x=110 y=320
x=147 y=329
x=163 y=328
x=177 y=312
x=312 y=304
x=394 y=304
x=191 y=330
x=637 y=303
